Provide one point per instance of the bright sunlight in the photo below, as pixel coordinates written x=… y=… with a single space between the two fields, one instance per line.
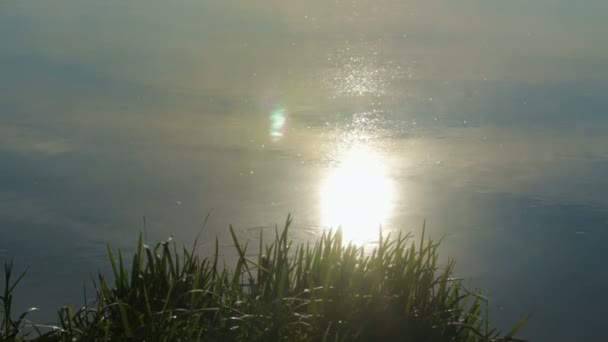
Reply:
x=357 y=195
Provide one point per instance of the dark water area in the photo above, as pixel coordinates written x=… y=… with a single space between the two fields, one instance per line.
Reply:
x=485 y=119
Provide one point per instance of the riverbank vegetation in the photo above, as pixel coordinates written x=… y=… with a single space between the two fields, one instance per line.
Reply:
x=277 y=291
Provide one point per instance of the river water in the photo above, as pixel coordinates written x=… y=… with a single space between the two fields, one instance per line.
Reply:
x=486 y=119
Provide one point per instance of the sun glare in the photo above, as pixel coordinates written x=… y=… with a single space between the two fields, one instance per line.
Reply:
x=357 y=195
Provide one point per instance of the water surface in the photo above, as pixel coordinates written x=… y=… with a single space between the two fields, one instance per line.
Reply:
x=487 y=119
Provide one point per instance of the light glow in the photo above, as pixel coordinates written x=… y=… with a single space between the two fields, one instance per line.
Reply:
x=357 y=195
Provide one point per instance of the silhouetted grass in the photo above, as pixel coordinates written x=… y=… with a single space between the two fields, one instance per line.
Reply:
x=325 y=291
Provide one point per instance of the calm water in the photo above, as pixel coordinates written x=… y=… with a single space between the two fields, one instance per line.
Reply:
x=487 y=119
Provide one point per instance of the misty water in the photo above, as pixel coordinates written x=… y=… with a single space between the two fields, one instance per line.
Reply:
x=486 y=119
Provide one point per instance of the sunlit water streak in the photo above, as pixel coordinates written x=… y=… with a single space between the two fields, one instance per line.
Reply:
x=357 y=193
x=357 y=75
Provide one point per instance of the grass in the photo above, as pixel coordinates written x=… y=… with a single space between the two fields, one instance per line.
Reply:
x=324 y=291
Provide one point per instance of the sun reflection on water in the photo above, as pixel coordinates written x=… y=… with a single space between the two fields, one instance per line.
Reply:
x=358 y=195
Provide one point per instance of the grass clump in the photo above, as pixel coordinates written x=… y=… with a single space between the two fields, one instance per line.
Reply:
x=11 y=329
x=325 y=291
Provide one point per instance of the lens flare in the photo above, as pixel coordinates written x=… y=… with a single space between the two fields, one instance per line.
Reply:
x=278 y=118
